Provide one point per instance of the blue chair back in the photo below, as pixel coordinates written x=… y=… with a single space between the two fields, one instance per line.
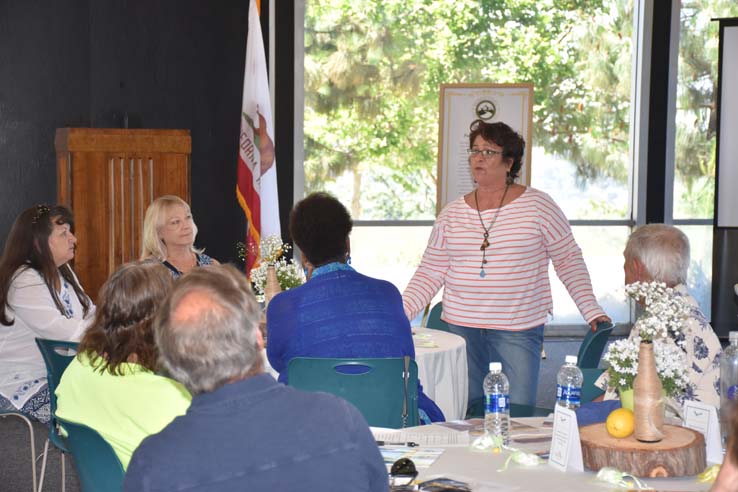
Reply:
x=434 y=320
x=375 y=386
x=98 y=467
x=57 y=355
x=589 y=390
x=590 y=351
x=588 y=360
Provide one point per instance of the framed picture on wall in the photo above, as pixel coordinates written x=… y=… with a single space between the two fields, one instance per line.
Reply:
x=460 y=105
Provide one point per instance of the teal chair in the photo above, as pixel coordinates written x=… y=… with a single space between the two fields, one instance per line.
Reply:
x=588 y=359
x=375 y=386
x=98 y=467
x=434 y=320
x=590 y=351
x=24 y=418
x=57 y=355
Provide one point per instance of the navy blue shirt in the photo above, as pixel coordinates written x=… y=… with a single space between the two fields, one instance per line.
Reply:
x=258 y=435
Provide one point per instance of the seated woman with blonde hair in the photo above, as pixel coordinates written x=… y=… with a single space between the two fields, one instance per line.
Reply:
x=111 y=386
x=169 y=236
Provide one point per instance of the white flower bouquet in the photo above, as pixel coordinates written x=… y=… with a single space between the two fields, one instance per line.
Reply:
x=271 y=252
x=661 y=324
x=663 y=313
x=671 y=364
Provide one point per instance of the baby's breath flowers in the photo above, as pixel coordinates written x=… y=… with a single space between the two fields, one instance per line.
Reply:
x=661 y=324
x=664 y=312
x=272 y=250
x=671 y=364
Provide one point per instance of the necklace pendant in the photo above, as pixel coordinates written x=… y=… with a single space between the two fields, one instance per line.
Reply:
x=485 y=245
x=482 y=273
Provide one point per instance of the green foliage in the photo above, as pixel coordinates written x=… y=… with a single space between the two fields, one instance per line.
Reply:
x=373 y=70
x=696 y=105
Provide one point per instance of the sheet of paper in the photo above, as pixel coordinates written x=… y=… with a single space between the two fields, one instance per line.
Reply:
x=424 y=340
x=566 y=448
x=703 y=418
x=427 y=435
x=422 y=457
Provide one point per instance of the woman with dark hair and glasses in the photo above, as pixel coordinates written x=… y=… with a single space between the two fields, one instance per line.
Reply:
x=40 y=297
x=112 y=385
x=490 y=250
x=338 y=312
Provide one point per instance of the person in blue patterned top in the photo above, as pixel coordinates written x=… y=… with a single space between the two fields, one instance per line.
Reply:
x=660 y=253
x=169 y=233
x=40 y=296
x=338 y=312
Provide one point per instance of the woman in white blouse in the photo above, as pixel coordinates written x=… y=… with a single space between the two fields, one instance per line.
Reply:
x=40 y=296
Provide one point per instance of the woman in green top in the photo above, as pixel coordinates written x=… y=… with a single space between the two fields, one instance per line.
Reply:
x=112 y=385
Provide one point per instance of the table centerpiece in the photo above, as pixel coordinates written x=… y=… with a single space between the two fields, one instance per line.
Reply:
x=659 y=369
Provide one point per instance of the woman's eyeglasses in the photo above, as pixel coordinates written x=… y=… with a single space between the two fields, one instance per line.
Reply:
x=484 y=153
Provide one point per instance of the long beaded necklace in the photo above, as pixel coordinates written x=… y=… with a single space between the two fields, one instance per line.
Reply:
x=485 y=243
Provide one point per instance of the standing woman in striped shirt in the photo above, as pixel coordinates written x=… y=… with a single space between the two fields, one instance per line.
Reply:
x=490 y=250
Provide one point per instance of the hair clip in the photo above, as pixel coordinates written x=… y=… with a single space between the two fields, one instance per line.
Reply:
x=41 y=211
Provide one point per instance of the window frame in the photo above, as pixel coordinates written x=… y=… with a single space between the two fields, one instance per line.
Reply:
x=642 y=116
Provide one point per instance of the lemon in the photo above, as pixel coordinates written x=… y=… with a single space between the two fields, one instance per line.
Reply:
x=620 y=423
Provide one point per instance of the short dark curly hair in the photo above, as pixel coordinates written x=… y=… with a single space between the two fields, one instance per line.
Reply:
x=320 y=225
x=498 y=133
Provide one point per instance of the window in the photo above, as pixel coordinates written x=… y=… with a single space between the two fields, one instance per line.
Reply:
x=371 y=77
x=693 y=189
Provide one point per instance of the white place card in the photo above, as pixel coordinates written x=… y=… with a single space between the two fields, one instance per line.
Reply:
x=566 y=448
x=704 y=418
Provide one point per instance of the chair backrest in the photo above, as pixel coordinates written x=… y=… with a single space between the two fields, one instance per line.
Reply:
x=375 y=386
x=98 y=467
x=434 y=320
x=57 y=355
x=589 y=390
x=590 y=351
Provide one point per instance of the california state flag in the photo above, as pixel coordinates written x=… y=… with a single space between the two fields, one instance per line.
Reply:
x=257 y=171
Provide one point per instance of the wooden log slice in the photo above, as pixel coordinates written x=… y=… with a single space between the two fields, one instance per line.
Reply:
x=680 y=453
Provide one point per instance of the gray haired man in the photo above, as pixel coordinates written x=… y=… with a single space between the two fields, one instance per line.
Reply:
x=244 y=430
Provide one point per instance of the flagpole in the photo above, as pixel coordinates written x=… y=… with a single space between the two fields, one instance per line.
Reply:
x=272 y=54
x=256 y=187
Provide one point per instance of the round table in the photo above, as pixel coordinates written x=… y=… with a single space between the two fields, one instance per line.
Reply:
x=442 y=370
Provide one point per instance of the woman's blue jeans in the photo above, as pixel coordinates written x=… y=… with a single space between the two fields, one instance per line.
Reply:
x=518 y=351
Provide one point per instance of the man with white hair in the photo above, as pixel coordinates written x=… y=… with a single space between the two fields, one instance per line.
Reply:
x=660 y=253
x=243 y=430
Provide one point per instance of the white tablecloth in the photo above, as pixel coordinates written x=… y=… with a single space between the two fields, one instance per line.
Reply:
x=442 y=370
x=480 y=470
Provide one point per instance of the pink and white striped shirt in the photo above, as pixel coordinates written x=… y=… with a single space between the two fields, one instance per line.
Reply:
x=515 y=294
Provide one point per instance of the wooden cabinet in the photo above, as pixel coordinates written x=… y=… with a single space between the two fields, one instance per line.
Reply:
x=108 y=177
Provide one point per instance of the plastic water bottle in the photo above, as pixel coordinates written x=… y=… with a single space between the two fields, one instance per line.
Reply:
x=497 y=403
x=728 y=384
x=569 y=384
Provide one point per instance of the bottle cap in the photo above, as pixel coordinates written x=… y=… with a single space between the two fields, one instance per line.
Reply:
x=571 y=359
x=495 y=366
x=733 y=335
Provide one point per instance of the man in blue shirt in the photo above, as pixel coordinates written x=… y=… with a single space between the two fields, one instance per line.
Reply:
x=243 y=430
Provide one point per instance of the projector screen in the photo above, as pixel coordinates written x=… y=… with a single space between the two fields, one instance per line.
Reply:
x=727 y=151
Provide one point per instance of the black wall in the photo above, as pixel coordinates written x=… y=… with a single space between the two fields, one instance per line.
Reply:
x=154 y=64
